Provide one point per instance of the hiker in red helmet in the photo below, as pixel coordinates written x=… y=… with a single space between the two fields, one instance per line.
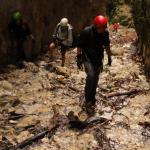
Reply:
x=115 y=27
x=90 y=51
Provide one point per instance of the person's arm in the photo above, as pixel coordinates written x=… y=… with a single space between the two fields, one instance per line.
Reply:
x=106 y=43
x=32 y=37
x=10 y=34
x=81 y=41
x=80 y=45
x=79 y=58
x=70 y=37
x=10 y=28
x=108 y=51
x=28 y=31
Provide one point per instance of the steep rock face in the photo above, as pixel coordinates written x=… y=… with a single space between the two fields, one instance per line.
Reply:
x=42 y=17
x=141 y=16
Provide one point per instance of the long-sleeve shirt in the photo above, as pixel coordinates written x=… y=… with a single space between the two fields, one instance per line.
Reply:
x=93 y=43
x=65 y=35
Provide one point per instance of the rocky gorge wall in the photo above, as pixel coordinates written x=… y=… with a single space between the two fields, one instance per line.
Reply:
x=141 y=16
x=42 y=16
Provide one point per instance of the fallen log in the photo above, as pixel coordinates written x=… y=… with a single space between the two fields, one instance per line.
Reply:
x=76 y=123
x=5 y=144
x=128 y=93
x=36 y=137
x=73 y=89
x=90 y=127
x=28 y=127
x=15 y=116
x=62 y=71
x=145 y=124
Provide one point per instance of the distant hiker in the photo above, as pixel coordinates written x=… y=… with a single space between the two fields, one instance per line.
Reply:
x=19 y=32
x=90 y=51
x=63 y=37
x=116 y=27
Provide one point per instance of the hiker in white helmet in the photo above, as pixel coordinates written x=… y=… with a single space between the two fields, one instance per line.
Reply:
x=63 y=37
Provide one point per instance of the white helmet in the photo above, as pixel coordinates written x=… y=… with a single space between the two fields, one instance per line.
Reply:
x=64 y=22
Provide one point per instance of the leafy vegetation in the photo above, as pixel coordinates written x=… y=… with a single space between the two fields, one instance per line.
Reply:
x=119 y=11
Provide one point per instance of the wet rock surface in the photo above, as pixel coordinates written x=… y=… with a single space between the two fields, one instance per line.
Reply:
x=40 y=95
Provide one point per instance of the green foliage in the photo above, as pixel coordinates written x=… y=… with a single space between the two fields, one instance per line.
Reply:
x=115 y=14
x=123 y=20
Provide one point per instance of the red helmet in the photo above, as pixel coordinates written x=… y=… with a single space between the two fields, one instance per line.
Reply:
x=100 y=21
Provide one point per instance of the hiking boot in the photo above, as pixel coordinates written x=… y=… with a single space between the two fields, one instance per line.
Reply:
x=89 y=108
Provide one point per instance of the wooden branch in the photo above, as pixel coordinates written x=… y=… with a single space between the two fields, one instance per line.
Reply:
x=89 y=128
x=70 y=87
x=36 y=137
x=76 y=123
x=128 y=93
x=62 y=71
x=73 y=89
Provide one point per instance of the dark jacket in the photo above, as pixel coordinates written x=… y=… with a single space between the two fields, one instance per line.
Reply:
x=93 y=43
x=18 y=31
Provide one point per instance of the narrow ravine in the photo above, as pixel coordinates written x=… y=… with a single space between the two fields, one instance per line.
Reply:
x=31 y=98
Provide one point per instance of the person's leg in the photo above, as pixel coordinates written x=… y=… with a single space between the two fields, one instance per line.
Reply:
x=28 y=49
x=52 y=46
x=63 y=53
x=97 y=70
x=14 y=50
x=22 y=50
x=90 y=81
x=19 y=54
x=90 y=88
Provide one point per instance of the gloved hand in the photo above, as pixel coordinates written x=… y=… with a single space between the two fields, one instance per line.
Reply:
x=109 y=60
x=79 y=61
x=32 y=38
